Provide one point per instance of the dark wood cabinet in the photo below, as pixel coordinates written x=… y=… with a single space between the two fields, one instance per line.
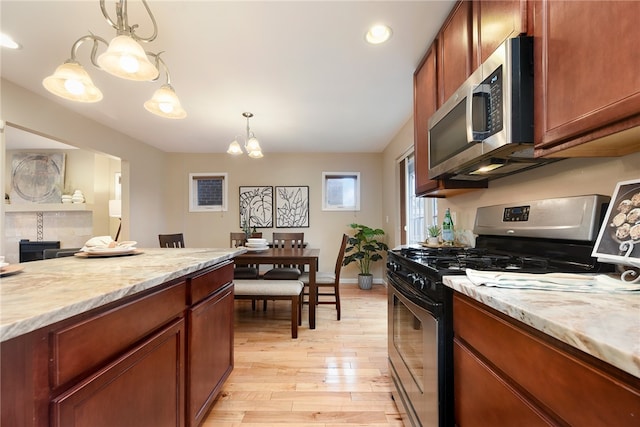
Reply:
x=454 y=51
x=143 y=387
x=210 y=347
x=586 y=78
x=425 y=99
x=157 y=358
x=494 y=22
x=507 y=371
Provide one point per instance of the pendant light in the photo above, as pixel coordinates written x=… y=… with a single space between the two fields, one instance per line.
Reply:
x=125 y=58
x=251 y=143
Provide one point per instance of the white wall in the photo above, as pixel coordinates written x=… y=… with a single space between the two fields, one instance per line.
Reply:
x=143 y=166
x=569 y=177
x=207 y=229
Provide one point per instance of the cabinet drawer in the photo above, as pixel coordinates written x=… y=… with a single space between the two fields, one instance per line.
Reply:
x=206 y=283
x=567 y=382
x=483 y=399
x=78 y=348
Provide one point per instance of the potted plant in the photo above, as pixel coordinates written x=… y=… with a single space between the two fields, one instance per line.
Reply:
x=363 y=248
x=434 y=232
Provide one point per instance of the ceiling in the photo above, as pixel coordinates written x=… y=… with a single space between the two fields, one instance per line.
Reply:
x=302 y=68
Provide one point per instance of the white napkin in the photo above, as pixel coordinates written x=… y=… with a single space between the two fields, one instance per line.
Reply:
x=106 y=242
x=568 y=282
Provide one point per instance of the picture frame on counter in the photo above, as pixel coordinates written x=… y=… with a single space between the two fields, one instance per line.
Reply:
x=619 y=237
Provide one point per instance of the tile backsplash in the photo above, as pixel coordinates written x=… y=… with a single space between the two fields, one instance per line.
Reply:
x=71 y=228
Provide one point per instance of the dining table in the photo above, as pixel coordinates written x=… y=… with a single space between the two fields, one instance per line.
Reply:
x=290 y=256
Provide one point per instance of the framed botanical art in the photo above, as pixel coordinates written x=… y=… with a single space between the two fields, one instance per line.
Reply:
x=256 y=207
x=292 y=206
x=619 y=238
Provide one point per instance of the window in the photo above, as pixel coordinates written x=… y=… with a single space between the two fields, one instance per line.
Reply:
x=421 y=212
x=340 y=191
x=207 y=192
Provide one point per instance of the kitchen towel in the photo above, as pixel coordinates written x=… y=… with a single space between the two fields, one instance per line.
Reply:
x=567 y=282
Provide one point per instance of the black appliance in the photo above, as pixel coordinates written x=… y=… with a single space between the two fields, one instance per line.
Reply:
x=552 y=235
x=34 y=251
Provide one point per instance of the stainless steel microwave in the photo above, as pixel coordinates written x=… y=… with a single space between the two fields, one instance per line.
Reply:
x=485 y=129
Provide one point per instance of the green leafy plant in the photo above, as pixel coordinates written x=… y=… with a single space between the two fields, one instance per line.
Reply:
x=363 y=247
x=434 y=230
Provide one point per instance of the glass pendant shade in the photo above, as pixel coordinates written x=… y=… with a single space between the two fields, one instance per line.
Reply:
x=234 y=148
x=71 y=81
x=125 y=58
x=165 y=103
x=253 y=144
x=257 y=154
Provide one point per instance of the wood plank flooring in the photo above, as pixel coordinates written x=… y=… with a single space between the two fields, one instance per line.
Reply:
x=333 y=376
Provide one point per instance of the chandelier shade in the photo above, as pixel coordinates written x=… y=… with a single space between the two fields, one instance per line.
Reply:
x=251 y=143
x=125 y=58
x=71 y=81
x=165 y=103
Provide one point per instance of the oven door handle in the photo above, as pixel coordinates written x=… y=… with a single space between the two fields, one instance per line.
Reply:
x=409 y=292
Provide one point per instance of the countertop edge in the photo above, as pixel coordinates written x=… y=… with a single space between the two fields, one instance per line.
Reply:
x=583 y=332
x=51 y=315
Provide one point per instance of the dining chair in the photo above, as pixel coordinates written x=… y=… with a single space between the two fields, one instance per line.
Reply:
x=171 y=240
x=328 y=283
x=282 y=271
x=242 y=271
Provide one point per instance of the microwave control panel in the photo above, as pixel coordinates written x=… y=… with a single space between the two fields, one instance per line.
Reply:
x=516 y=213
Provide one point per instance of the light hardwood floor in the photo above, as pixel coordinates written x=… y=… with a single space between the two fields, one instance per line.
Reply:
x=333 y=376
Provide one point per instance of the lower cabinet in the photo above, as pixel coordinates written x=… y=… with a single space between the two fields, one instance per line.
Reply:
x=143 y=387
x=154 y=359
x=507 y=373
x=210 y=351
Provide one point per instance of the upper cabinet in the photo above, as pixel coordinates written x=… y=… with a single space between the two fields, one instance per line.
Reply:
x=494 y=22
x=587 y=79
x=454 y=51
x=471 y=33
x=424 y=105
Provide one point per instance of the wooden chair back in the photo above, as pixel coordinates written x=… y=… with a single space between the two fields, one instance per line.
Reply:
x=288 y=240
x=343 y=247
x=171 y=240
x=236 y=239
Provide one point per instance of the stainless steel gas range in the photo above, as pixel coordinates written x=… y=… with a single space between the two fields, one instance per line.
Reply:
x=542 y=236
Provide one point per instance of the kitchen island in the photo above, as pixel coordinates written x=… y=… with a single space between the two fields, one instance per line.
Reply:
x=144 y=339
x=534 y=357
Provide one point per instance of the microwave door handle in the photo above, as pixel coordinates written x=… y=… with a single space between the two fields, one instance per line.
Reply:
x=469 y=116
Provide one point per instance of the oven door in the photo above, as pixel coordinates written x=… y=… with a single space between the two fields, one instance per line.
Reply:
x=414 y=332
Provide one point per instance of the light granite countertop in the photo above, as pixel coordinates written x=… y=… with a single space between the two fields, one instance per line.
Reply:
x=48 y=291
x=606 y=326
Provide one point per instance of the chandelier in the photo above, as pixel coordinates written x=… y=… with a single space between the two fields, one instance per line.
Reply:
x=251 y=144
x=124 y=58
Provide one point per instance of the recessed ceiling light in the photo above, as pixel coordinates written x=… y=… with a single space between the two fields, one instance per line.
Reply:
x=8 y=42
x=378 y=33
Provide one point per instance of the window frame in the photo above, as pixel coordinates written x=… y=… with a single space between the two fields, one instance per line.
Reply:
x=194 y=205
x=326 y=176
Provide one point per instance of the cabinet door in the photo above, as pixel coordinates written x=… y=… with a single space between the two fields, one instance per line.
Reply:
x=454 y=61
x=210 y=353
x=424 y=105
x=586 y=71
x=144 y=387
x=482 y=398
x=495 y=21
